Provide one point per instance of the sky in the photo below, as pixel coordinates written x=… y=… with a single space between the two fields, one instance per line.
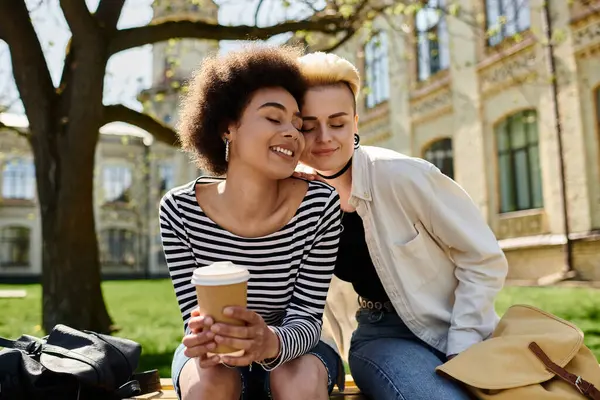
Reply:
x=130 y=71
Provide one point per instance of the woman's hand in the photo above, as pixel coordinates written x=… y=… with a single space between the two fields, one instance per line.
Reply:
x=256 y=339
x=201 y=340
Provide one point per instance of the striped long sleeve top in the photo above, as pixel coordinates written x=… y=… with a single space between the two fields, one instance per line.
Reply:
x=290 y=270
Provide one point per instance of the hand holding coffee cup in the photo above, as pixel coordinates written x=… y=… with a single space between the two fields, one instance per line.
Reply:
x=257 y=340
x=201 y=340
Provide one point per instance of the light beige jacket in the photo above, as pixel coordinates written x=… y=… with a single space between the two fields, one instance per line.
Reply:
x=437 y=259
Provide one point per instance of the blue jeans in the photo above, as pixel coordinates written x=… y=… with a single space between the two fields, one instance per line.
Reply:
x=388 y=362
x=255 y=380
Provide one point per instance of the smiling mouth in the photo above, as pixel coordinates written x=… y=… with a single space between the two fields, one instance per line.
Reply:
x=324 y=152
x=283 y=151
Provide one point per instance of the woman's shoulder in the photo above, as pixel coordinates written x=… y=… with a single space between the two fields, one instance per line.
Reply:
x=392 y=164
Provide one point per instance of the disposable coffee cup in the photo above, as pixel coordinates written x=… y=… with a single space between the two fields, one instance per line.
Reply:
x=220 y=285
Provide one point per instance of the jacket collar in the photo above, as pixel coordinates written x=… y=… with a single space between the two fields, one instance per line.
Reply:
x=361 y=181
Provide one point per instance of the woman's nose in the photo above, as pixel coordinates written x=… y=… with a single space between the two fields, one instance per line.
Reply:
x=292 y=132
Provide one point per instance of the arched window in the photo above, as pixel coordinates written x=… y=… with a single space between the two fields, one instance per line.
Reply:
x=440 y=154
x=519 y=162
x=433 y=53
x=18 y=179
x=14 y=246
x=118 y=247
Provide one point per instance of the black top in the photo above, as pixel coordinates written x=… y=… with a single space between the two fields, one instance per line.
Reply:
x=354 y=263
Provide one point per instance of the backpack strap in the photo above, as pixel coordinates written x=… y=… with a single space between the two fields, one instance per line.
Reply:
x=142 y=383
x=7 y=343
x=584 y=387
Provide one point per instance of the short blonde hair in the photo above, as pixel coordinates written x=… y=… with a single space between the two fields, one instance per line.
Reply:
x=321 y=69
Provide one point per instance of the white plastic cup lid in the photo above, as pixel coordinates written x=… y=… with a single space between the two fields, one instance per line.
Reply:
x=220 y=273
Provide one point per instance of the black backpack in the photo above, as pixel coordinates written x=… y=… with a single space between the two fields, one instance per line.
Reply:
x=71 y=364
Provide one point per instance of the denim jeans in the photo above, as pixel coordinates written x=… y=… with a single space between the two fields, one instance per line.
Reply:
x=388 y=362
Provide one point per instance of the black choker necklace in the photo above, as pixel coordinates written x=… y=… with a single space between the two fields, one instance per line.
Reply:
x=340 y=173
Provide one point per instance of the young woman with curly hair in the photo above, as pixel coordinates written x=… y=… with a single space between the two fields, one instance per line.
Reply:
x=241 y=119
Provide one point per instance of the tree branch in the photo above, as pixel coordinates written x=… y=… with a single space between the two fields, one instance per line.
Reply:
x=135 y=37
x=108 y=13
x=20 y=132
x=260 y=3
x=28 y=63
x=78 y=17
x=347 y=36
x=120 y=113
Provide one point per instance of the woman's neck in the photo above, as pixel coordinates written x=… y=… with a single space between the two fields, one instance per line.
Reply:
x=249 y=195
x=343 y=185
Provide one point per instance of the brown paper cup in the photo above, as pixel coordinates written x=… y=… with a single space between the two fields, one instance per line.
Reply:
x=218 y=286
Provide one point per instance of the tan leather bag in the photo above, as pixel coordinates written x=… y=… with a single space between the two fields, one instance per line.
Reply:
x=531 y=355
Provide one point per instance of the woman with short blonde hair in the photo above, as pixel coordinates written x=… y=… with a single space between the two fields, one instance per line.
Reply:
x=424 y=263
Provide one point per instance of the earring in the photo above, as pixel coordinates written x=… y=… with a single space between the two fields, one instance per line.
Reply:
x=356 y=140
x=226 y=150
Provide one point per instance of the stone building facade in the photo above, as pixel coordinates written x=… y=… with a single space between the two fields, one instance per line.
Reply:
x=472 y=93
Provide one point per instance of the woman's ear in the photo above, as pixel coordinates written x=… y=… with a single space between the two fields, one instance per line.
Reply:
x=355 y=122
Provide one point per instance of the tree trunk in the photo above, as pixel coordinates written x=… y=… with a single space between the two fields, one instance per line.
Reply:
x=64 y=158
x=72 y=294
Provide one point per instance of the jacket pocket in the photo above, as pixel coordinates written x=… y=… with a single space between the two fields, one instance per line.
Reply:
x=413 y=259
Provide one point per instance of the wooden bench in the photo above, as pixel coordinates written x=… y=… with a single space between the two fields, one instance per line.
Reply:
x=167 y=392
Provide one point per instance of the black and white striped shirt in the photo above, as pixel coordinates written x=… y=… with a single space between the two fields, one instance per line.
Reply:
x=290 y=270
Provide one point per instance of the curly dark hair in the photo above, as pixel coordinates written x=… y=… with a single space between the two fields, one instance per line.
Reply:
x=222 y=88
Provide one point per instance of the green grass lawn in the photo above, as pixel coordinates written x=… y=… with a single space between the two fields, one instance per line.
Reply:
x=146 y=311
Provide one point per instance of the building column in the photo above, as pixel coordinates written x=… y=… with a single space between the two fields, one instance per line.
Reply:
x=471 y=166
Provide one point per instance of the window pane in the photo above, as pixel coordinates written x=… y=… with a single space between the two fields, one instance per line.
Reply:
x=502 y=137
x=506 y=183
x=117 y=183
x=440 y=154
x=509 y=12
x=522 y=180
x=518 y=134
x=14 y=247
x=444 y=44
x=492 y=15
x=523 y=15
x=376 y=60
x=118 y=247
x=18 y=179
x=423 y=56
x=535 y=172
x=531 y=126
x=166 y=178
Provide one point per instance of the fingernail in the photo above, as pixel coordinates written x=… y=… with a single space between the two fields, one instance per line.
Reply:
x=211 y=346
x=215 y=328
x=210 y=335
x=228 y=311
x=218 y=339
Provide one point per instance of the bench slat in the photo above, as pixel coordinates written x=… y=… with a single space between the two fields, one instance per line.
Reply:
x=168 y=393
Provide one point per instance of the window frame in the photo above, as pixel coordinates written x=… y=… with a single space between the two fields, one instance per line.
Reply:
x=502 y=35
x=504 y=127
x=23 y=181
x=441 y=141
x=121 y=238
x=440 y=30
x=379 y=92
x=27 y=253
x=125 y=195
